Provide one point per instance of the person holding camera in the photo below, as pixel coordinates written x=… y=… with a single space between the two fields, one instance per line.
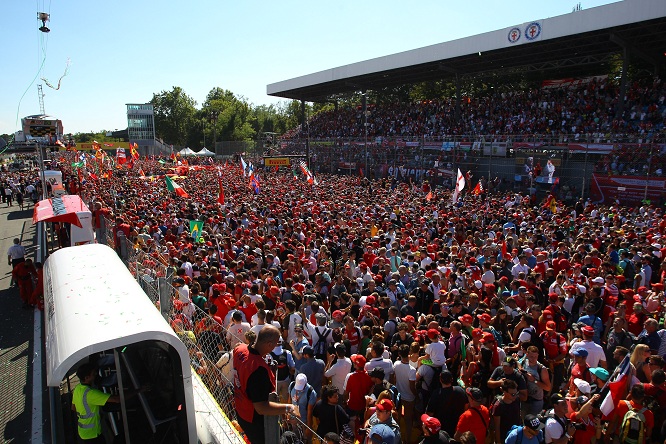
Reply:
x=558 y=428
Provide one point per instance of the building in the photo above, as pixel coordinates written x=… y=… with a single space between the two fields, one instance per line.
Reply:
x=141 y=123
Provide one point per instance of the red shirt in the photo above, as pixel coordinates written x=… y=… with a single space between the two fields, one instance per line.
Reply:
x=358 y=385
x=471 y=421
x=554 y=344
x=623 y=408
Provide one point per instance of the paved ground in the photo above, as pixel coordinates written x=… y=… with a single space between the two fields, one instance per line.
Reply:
x=16 y=334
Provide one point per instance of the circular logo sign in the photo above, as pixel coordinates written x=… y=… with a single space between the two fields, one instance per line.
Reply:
x=532 y=31
x=514 y=35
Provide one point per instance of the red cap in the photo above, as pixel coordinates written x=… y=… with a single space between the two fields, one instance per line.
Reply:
x=487 y=337
x=642 y=289
x=553 y=296
x=433 y=333
x=337 y=314
x=477 y=333
x=587 y=330
x=432 y=424
x=370 y=300
x=658 y=286
x=385 y=405
x=551 y=325
x=358 y=360
x=485 y=317
x=466 y=318
x=408 y=318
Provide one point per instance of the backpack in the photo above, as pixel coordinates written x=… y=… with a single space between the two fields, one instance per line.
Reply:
x=480 y=379
x=309 y=393
x=632 y=430
x=535 y=339
x=282 y=367
x=320 y=346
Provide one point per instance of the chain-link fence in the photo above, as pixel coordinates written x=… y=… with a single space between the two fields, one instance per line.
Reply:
x=625 y=169
x=209 y=343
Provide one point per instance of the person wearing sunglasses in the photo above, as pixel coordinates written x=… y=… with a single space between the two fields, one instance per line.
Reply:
x=505 y=411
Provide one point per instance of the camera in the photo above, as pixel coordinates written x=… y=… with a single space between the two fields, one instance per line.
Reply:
x=579 y=425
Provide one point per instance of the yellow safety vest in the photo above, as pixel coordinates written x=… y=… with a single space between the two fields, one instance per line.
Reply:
x=87 y=401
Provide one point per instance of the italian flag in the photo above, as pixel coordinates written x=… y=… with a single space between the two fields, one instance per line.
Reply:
x=173 y=186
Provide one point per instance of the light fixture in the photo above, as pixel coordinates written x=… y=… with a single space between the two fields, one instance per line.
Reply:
x=44 y=17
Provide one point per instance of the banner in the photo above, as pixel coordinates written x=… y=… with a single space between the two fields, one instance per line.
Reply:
x=570 y=82
x=276 y=161
x=629 y=190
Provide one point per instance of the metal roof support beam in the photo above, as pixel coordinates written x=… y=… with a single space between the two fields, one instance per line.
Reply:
x=623 y=84
x=304 y=127
x=634 y=51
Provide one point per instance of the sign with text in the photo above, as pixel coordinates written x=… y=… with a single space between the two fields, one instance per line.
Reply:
x=276 y=161
x=629 y=190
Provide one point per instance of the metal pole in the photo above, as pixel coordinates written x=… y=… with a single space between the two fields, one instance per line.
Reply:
x=365 y=129
x=123 y=405
x=582 y=188
x=647 y=174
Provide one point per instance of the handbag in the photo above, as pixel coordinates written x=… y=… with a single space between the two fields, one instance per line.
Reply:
x=346 y=433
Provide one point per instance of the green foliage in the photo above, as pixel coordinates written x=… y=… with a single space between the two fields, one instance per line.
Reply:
x=174 y=115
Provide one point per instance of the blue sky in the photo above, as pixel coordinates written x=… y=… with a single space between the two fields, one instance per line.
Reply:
x=123 y=51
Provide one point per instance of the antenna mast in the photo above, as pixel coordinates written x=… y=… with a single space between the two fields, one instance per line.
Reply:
x=40 y=93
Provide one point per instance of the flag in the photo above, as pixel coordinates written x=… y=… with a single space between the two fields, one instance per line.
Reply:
x=134 y=153
x=309 y=177
x=173 y=156
x=220 y=196
x=196 y=226
x=550 y=169
x=478 y=189
x=243 y=165
x=504 y=255
x=617 y=387
x=429 y=196
x=141 y=173
x=173 y=186
x=460 y=184
x=254 y=183
x=360 y=172
x=120 y=156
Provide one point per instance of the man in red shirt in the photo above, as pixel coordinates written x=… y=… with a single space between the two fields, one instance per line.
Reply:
x=636 y=403
x=357 y=385
x=555 y=350
x=476 y=418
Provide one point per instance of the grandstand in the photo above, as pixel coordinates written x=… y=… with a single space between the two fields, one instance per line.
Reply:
x=547 y=96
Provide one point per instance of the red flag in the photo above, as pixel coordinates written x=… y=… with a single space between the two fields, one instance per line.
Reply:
x=429 y=196
x=120 y=156
x=141 y=173
x=133 y=151
x=220 y=197
x=504 y=255
x=173 y=156
x=478 y=189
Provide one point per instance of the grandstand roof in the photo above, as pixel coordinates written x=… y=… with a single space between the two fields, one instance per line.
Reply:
x=567 y=43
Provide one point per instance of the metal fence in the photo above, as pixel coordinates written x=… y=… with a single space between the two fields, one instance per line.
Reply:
x=212 y=354
x=573 y=165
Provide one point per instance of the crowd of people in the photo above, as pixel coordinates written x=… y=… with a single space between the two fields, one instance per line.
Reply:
x=586 y=110
x=383 y=307
x=394 y=314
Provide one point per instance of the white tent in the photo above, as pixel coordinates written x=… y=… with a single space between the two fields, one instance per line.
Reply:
x=186 y=152
x=205 y=152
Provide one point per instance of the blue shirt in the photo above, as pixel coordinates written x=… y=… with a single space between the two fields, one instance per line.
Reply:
x=302 y=400
x=313 y=368
x=596 y=323
x=512 y=437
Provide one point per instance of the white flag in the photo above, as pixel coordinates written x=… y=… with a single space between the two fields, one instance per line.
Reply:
x=460 y=184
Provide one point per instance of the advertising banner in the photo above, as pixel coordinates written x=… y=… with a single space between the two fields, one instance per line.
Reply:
x=276 y=161
x=628 y=190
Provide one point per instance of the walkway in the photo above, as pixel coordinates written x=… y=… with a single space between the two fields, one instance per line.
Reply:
x=16 y=338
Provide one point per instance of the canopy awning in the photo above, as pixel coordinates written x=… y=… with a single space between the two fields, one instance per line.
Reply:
x=59 y=209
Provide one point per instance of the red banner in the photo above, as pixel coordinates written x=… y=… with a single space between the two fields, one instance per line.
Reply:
x=629 y=190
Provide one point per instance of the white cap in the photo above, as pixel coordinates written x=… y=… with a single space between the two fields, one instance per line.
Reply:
x=582 y=289
x=528 y=250
x=524 y=337
x=478 y=284
x=598 y=280
x=583 y=386
x=301 y=380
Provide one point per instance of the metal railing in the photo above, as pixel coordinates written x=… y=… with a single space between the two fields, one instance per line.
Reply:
x=211 y=355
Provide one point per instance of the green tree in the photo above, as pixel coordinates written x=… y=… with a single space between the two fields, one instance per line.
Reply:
x=175 y=114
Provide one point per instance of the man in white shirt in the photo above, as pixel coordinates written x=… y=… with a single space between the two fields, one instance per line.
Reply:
x=377 y=352
x=405 y=381
x=595 y=353
x=339 y=370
